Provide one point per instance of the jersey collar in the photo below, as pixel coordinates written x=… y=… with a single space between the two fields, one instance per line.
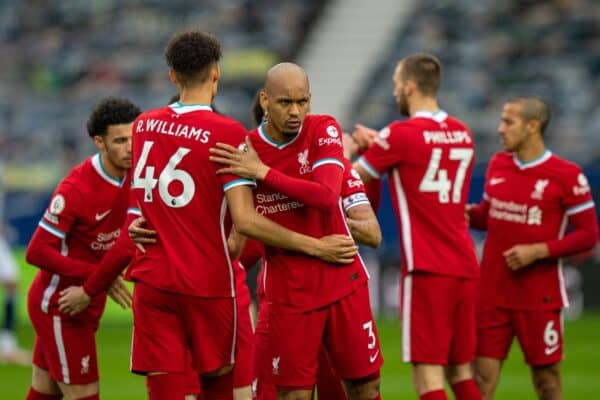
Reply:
x=438 y=116
x=533 y=163
x=186 y=108
x=97 y=164
x=262 y=133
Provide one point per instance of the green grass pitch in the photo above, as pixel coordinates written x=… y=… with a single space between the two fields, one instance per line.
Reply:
x=581 y=368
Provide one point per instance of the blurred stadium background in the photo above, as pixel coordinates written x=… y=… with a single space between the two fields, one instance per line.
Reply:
x=60 y=57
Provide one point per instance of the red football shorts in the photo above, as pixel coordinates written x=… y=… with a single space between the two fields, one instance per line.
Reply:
x=65 y=347
x=244 y=350
x=438 y=318
x=347 y=330
x=263 y=387
x=166 y=325
x=540 y=334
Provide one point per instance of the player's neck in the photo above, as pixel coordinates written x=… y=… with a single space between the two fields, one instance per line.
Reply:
x=197 y=95
x=532 y=151
x=110 y=168
x=274 y=134
x=423 y=104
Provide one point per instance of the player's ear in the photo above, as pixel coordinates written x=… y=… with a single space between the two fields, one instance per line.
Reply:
x=173 y=77
x=264 y=100
x=216 y=72
x=99 y=142
x=534 y=125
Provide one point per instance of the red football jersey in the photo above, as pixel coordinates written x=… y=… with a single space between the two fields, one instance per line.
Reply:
x=86 y=212
x=183 y=199
x=429 y=159
x=296 y=282
x=353 y=194
x=528 y=203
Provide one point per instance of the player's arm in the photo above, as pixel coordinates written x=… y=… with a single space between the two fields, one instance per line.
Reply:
x=334 y=248
x=44 y=252
x=477 y=214
x=45 y=249
x=582 y=237
x=322 y=192
x=105 y=277
x=363 y=224
x=236 y=243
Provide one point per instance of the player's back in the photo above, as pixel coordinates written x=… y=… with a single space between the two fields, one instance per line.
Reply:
x=430 y=160
x=182 y=197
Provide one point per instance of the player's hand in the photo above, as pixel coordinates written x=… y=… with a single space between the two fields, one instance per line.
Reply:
x=364 y=136
x=140 y=235
x=522 y=255
x=468 y=209
x=337 y=249
x=120 y=293
x=73 y=300
x=350 y=146
x=243 y=162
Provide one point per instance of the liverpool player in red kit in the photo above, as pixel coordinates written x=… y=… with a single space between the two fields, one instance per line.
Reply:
x=184 y=283
x=531 y=197
x=82 y=222
x=310 y=302
x=429 y=158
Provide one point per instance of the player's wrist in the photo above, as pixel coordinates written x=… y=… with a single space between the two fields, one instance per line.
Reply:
x=262 y=171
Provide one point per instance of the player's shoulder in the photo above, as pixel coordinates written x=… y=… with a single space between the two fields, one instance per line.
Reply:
x=321 y=122
x=502 y=158
x=154 y=113
x=563 y=164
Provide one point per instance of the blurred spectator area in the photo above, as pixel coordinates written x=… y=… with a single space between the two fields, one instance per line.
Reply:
x=59 y=58
x=493 y=50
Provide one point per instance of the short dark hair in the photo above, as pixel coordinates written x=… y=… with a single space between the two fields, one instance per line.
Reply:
x=191 y=54
x=425 y=70
x=534 y=107
x=256 y=110
x=111 y=111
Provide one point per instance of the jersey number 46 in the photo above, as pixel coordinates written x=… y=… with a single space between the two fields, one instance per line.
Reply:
x=168 y=175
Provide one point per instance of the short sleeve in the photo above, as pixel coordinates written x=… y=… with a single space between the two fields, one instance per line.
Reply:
x=326 y=147
x=133 y=207
x=62 y=212
x=353 y=190
x=234 y=137
x=577 y=193
x=384 y=153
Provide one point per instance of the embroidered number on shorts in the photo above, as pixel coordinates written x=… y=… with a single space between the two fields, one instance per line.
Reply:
x=550 y=335
x=368 y=326
x=168 y=175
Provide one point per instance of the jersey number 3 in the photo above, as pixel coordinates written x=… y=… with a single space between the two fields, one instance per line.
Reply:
x=168 y=175
x=436 y=178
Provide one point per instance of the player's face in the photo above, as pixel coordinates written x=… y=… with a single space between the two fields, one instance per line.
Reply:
x=512 y=129
x=399 y=92
x=116 y=145
x=287 y=108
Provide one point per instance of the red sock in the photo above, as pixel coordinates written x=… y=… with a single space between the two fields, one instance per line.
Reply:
x=92 y=397
x=166 y=386
x=439 y=394
x=218 y=387
x=466 y=390
x=35 y=395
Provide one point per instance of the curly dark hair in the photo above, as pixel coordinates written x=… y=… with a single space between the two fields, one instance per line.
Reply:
x=191 y=54
x=111 y=111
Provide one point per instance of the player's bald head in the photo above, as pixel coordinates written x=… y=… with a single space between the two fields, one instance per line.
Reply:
x=285 y=76
x=533 y=107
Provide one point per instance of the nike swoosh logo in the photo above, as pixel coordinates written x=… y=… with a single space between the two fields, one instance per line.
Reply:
x=550 y=350
x=104 y=214
x=373 y=357
x=495 y=181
